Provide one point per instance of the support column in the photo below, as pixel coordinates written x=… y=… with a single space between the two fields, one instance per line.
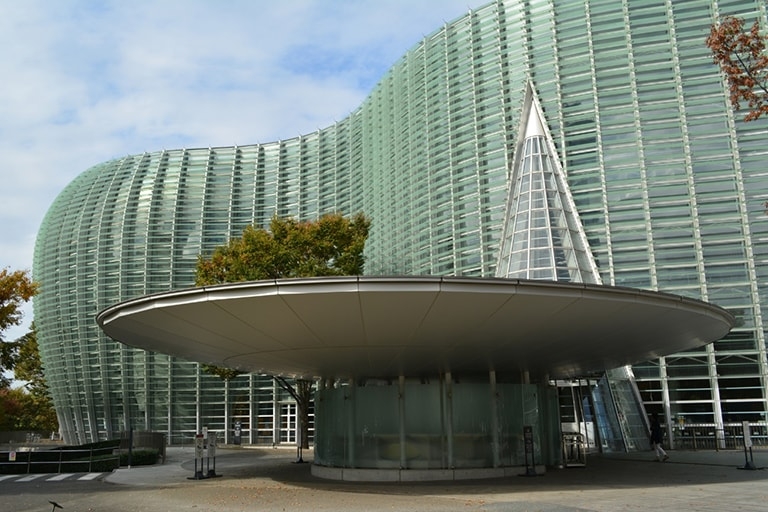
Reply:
x=275 y=413
x=198 y=409
x=495 y=425
x=169 y=412
x=449 y=418
x=714 y=385
x=665 y=400
x=495 y=445
x=401 y=410
x=252 y=426
x=351 y=423
x=149 y=402
x=227 y=426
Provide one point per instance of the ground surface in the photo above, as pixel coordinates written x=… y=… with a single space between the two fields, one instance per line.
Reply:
x=269 y=480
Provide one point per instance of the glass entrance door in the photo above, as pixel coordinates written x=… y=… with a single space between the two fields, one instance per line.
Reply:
x=288 y=423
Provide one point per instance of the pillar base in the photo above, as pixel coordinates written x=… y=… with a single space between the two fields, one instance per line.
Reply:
x=416 y=475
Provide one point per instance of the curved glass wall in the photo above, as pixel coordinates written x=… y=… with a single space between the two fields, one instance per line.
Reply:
x=439 y=423
x=668 y=182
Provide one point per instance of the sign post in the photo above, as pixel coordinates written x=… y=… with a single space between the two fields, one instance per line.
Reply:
x=238 y=432
x=530 y=469
x=212 y=440
x=199 y=445
x=749 y=462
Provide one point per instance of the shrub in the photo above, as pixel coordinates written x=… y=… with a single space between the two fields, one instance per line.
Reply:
x=140 y=457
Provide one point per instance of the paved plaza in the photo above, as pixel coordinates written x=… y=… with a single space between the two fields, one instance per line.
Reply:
x=269 y=480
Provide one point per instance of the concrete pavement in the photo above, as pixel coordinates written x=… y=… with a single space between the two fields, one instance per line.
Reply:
x=269 y=479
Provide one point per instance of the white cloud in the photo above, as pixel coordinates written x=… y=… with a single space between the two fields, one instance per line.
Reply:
x=87 y=81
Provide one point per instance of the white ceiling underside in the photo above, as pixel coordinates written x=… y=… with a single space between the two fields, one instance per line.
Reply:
x=385 y=327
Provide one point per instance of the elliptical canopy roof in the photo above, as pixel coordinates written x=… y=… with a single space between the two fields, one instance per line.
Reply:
x=389 y=326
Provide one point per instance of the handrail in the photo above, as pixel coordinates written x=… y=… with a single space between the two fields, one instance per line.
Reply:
x=708 y=436
x=51 y=459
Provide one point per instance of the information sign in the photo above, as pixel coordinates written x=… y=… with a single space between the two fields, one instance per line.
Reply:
x=747 y=434
x=212 y=439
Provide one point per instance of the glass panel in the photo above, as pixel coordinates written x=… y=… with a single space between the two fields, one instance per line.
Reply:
x=472 y=425
x=377 y=427
x=518 y=407
x=426 y=446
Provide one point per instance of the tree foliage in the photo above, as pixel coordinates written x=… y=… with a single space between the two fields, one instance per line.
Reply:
x=331 y=246
x=11 y=408
x=20 y=410
x=741 y=56
x=220 y=372
x=16 y=288
x=29 y=367
x=28 y=407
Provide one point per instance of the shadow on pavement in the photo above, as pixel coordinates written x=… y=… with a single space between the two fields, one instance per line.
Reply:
x=601 y=472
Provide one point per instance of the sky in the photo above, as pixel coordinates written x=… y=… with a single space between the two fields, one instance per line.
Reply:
x=87 y=81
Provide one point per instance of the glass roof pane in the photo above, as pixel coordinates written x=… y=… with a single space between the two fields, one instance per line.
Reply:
x=540 y=229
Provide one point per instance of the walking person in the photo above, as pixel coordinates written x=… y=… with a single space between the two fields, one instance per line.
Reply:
x=657 y=436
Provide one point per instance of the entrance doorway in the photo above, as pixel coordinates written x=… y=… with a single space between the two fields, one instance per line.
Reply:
x=288 y=423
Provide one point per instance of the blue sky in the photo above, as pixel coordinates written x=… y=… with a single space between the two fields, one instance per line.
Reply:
x=86 y=81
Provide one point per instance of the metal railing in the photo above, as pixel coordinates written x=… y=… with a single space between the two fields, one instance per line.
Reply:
x=706 y=436
x=58 y=461
x=574 y=449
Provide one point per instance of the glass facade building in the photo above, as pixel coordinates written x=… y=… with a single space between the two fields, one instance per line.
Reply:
x=668 y=182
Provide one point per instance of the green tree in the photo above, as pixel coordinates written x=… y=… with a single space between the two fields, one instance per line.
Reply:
x=16 y=288
x=331 y=246
x=20 y=410
x=28 y=407
x=220 y=372
x=741 y=57
x=39 y=412
x=12 y=407
x=301 y=391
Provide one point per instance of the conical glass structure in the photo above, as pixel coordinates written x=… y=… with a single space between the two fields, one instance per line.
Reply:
x=543 y=237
